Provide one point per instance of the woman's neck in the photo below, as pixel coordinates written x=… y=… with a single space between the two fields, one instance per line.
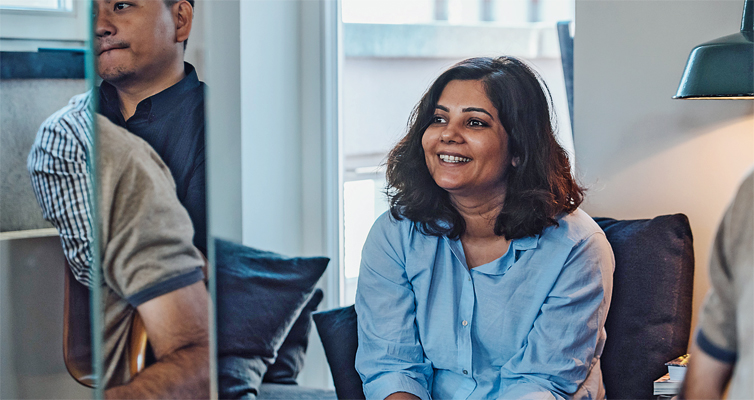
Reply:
x=479 y=213
x=480 y=243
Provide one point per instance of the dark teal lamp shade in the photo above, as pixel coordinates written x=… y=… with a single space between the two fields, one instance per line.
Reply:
x=722 y=68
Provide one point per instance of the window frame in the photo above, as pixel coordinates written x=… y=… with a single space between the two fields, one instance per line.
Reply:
x=57 y=25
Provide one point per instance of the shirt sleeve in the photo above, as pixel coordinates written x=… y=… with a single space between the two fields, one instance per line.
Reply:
x=568 y=333
x=196 y=203
x=60 y=172
x=389 y=357
x=716 y=334
x=717 y=328
x=147 y=234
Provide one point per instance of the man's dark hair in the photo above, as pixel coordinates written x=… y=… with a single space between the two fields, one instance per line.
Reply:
x=539 y=188
x=169 y=3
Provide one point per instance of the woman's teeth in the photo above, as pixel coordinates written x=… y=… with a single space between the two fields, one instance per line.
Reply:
x=453 y=159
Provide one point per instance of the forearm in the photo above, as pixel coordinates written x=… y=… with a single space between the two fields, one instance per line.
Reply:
x=706 y=377
x=183 y=374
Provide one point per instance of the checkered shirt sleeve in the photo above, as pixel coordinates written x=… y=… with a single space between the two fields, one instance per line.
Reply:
x=61 y=175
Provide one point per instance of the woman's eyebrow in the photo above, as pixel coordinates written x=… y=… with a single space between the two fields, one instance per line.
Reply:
x=446 y=109
x=481 y=110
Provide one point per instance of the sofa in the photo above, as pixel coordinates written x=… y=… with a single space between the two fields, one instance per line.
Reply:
x=648 y=323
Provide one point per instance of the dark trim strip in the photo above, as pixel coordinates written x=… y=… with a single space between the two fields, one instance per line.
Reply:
x=723 y=355
x=45 y=64
x=166 y=286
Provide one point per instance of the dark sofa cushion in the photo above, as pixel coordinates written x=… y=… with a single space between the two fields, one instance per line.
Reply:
x=290 y=359
x=277 y=391
x=338 y=332
x=650 y=314
x=260 y=295
x=240 y=377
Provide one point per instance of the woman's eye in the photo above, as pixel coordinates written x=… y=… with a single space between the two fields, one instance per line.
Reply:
x=121 y=6
x=475 y=122
x=438 y=120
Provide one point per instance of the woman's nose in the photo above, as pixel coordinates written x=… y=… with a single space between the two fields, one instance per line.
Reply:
x=451 y=134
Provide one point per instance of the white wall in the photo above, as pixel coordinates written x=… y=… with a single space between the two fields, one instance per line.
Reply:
x=641 y=153
x=271 y=141
x=271 y=137
x=223 y=119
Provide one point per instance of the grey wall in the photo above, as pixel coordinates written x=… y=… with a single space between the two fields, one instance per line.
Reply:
x=31 y=331
x=31 y=269
x=24 y=105
x=640 y=152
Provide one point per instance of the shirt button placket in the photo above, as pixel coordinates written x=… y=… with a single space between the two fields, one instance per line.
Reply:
x=466 y=310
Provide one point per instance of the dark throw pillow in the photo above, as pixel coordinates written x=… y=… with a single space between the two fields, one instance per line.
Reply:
x=338 y=332
x=291 y=354
x=260 y=295
x=650 y=314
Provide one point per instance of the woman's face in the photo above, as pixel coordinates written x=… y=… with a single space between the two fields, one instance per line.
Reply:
x=466 y=146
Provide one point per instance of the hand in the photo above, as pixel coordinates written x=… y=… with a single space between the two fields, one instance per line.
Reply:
x=402 y=396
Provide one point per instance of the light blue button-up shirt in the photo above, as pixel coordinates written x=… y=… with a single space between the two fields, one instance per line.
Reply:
x=527 y=325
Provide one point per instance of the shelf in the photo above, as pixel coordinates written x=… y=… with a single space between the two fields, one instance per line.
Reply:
x=28 y=234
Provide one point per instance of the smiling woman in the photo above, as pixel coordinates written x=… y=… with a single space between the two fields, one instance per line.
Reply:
x=501 y=103
x=485 y=279
x=465 y=144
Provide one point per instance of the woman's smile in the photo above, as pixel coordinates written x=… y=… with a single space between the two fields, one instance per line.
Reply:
x=466 y=146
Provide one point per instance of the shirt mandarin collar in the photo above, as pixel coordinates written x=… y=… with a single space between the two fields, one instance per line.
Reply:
x=157 y=104
x=165 y=101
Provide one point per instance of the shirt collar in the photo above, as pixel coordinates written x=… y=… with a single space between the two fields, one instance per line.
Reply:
x=157 y=104
x=526 y=243
x=165 y=101
x=501 y=265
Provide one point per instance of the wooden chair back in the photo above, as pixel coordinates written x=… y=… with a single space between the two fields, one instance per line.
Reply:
x=77 y=334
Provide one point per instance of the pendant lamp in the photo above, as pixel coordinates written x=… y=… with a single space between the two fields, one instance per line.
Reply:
x=723 y=68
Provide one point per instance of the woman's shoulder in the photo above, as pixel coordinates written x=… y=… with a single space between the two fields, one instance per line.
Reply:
x=397 y=231
x=575 y=226
x=389 y=225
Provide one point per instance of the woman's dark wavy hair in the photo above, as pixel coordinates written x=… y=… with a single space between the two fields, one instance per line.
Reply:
x=539 y=188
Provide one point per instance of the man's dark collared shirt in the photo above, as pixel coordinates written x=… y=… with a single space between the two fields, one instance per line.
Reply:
x=172 y=122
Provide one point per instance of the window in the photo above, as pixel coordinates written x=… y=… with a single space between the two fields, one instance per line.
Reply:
x=393 y=51
x=39 y=5
x=456 y=11
x=23 y=23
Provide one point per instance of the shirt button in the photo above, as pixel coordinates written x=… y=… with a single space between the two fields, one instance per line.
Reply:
x=465 y=372
x=464 y=323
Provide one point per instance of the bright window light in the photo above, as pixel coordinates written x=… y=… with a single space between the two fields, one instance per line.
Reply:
x=456 y=12
x=358 y=217
x=388 y=11
x=41 y=5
